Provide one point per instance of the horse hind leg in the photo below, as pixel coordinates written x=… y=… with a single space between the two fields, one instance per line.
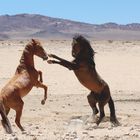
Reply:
x=5 y=121
x=102 y=99
x=92 y=102
x=102 y=114
x=18 y=108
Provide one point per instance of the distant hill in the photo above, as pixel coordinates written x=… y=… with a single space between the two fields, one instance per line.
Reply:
x=24 y=26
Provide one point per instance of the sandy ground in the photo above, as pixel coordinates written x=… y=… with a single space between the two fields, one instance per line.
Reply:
x=66 y=114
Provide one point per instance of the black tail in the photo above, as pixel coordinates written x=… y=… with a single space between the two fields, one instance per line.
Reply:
x=5 y=122
x=111 y=107
x=113 y=118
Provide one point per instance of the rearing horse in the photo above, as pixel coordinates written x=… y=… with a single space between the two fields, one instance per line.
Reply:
x=26 y=76
x=84 y=68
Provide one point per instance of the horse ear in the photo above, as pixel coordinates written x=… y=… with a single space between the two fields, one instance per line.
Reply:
x=33 y=41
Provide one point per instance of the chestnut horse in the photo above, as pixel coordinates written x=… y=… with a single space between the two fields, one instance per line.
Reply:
x=84 y=68
x=26 y=76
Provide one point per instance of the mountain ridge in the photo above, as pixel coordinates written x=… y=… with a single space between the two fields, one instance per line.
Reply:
x=22 y=26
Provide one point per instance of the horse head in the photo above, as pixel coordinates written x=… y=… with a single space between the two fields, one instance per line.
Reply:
x=37 y=49
x=81 y=47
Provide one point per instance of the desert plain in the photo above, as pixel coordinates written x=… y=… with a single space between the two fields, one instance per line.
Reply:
x=67 y=114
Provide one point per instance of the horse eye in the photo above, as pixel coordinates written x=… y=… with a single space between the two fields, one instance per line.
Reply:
x=39 y=47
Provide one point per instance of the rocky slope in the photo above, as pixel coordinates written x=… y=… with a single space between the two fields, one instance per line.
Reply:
x=31 y=25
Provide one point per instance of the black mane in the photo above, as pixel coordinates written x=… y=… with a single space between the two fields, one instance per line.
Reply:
x=86 y=50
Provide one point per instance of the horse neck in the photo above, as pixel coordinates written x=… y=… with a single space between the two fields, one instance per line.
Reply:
x=27 y=60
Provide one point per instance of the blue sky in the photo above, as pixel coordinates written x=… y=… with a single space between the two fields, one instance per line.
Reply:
x=90 y=11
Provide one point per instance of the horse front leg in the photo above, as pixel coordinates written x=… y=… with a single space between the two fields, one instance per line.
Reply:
x=40 y=76
x=56 y=57
x=70 y=65
x=39 y=84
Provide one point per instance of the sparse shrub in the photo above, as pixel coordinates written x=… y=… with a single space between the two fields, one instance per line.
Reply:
x=127 y=41
x=21 y=42
x=110 y=41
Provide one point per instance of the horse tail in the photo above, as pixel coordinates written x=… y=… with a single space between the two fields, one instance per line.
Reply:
x=5 y=122
x=113 y=118
x=111 y=107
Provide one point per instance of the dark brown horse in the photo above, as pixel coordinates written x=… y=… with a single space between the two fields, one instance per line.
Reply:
x=84 y=68
x=25 y=78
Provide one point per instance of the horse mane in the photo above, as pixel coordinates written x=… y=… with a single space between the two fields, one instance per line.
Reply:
x=86 y=53
x=27 y=49
x=29 y=46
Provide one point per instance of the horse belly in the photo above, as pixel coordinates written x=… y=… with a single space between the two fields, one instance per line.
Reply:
x=91 y=82
x=24 y=91
x=24 y=84
x=93 y=86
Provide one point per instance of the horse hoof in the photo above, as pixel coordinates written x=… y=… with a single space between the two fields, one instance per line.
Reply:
x=43 y=102
x=24 y=132
x=98 y=122
x=116 y=123
x=50 y=55
x=95 y=111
